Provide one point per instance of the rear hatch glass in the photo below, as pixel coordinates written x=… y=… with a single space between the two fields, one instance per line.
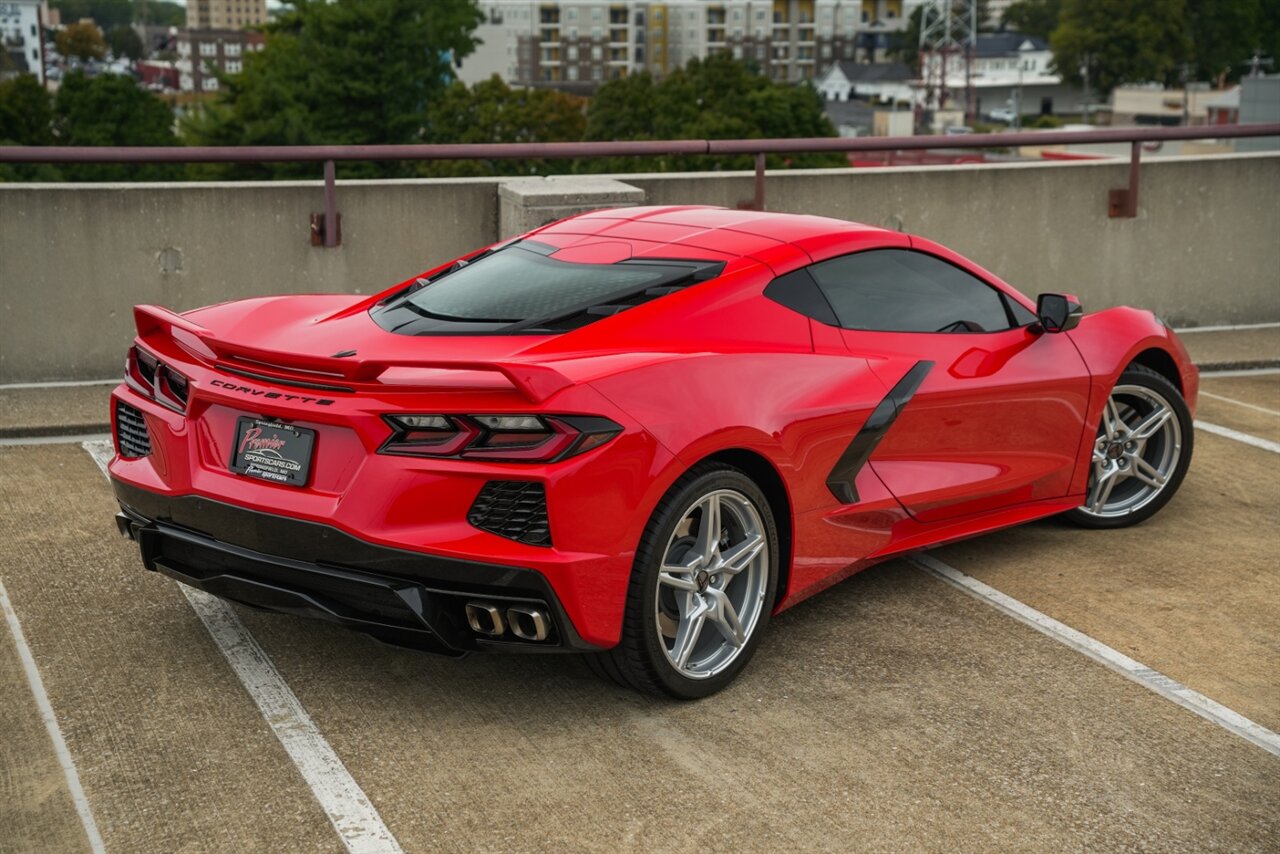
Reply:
x=521 y=288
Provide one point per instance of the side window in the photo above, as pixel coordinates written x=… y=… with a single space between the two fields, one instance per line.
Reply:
x=897 y=290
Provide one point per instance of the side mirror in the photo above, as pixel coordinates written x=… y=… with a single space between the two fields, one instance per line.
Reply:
x=1058 y=312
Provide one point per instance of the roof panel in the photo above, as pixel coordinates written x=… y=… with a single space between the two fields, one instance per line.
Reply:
x=726 y=232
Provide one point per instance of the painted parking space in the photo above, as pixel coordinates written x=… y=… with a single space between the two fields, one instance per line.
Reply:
x=169 y=749
x=1247 y=404
x=37 y=809
x=1192 y=592
x=889 y=712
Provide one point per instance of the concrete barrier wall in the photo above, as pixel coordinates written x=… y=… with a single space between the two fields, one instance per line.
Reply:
x=1204 y=249
x=74 y=258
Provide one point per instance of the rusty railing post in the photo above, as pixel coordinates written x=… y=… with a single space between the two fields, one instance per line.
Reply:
x=326 y=228
x=332 y=235
x=757 y=202
x=1123 y=204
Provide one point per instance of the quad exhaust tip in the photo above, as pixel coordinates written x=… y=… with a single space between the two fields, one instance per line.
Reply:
x=525 y=622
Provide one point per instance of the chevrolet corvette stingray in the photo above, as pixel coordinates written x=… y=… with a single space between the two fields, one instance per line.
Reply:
x=634 y=434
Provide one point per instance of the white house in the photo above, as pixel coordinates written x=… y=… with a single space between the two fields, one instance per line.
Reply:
x=885 y=82
x=1010 y=70
x=20 y=36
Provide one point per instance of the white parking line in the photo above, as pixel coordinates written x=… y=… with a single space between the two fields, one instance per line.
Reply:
x=1239 y=372
x=51 y=724
x=1246 y=438
x=354 y=817
x=58 y=384
x=57 y=440
x=1204 y=393
x=1136 y=671
x=1226 y=328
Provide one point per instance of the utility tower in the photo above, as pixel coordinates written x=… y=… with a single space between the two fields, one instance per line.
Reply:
x=948 y=40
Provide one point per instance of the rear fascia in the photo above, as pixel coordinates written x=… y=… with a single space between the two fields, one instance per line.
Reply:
x=418 y=504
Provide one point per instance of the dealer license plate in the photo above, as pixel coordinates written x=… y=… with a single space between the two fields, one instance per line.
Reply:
x=269 y=450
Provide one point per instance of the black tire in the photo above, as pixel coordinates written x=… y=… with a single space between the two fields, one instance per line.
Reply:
x=1138 y=375
x=639 y=661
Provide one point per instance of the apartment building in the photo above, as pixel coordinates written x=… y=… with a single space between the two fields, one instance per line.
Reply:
x=579 y=44
x=20 y=37
x=202 y=53
x=225 y=14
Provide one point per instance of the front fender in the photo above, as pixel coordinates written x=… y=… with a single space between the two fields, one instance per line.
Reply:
x=1111 y=340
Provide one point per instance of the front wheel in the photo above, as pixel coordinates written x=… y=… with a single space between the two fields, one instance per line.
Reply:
x=701 y=589
x=1140 y=454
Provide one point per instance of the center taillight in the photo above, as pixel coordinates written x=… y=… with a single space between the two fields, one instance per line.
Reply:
x=506 y=438
x=153 y=379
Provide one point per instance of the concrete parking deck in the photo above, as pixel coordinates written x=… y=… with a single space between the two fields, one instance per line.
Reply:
x=891 y=712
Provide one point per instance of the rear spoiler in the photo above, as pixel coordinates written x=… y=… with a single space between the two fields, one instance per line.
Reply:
x=536 y=382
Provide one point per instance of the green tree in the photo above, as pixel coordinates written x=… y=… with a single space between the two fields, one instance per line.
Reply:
x=160 y=12
x=105 y=13
x=125 y=41
x=904 y=46
x=714 y=98
x=491 y=111
x=112 y=110
x=1227 y=32
x=26 y=118
x=83 y=40
x=26 y=112
x=1032 y=17
x=354 y=72
x=1125 y=41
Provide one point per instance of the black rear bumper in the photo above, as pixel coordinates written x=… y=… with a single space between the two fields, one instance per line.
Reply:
x=291 y=566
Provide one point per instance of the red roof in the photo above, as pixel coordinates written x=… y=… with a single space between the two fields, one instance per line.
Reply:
x=724 y=231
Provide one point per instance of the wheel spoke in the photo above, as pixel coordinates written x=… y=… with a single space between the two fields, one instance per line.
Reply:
x=1101 y=491
x=1112 y=423
x=685 y=565
x=687 y=635
x=1149 y=425
x=1147 y=473
x=669 y=578
x=739 y=557
x=708 y=542
x=725 y=617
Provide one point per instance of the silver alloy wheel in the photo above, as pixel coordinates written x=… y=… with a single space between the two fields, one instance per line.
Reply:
x=1136 y=453
x=712 y=583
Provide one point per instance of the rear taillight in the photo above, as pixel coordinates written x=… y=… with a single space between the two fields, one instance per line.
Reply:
x=501 y=438
x=154 y=380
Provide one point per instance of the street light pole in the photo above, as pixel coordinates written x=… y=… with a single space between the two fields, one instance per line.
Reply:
x=1017 y=100
x=1084 y=72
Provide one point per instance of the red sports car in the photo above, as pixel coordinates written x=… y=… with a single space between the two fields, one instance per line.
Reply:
x=634 y=434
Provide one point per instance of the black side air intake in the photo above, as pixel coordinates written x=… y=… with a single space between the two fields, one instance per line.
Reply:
x=132 y=437
x=515 y=509
x=846 y=469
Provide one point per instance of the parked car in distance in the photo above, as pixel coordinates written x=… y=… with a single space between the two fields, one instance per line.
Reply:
x=634 y=434
x=1003 y=114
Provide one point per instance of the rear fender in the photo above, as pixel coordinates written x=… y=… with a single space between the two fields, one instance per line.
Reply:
x=797 y=410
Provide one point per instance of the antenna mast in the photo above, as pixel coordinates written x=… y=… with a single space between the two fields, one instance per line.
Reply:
x=948 y=38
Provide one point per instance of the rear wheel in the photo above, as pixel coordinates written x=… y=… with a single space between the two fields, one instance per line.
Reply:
x=701 y=589
x=1140 y=454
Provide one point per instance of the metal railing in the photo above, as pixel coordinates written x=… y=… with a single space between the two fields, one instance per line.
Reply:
x=1122 y=202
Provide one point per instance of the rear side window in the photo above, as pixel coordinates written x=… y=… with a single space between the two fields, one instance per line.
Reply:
x=897 y=290
x=521 y=288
